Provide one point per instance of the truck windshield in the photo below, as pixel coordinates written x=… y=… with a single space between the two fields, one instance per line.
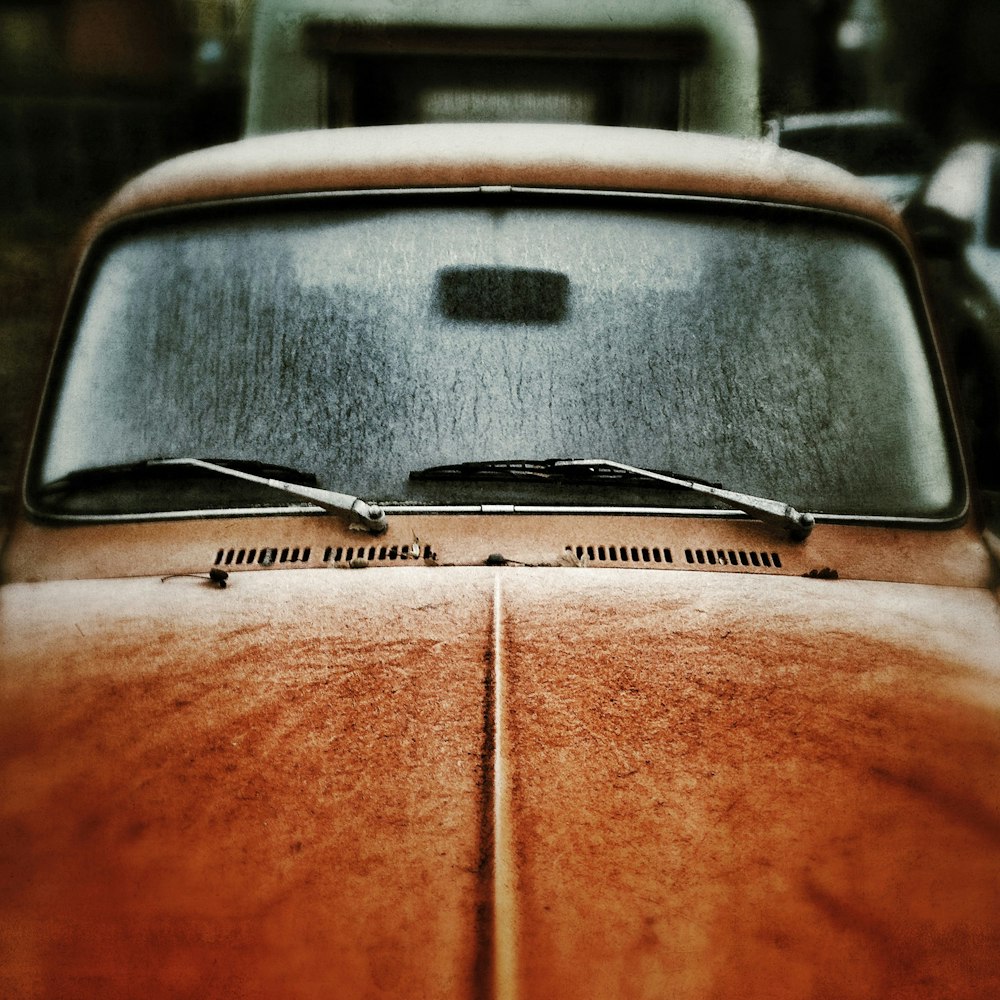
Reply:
x=776 y=352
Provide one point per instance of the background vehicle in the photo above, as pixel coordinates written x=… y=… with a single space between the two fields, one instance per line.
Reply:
x=890 y=153
x=681 y=64
x=516 y=711
x=966 y=187
x=956 y=218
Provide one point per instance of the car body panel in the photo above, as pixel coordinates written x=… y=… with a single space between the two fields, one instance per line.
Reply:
x=39 y=551
x=764 y=796
x=201 y=801
x=575 y=781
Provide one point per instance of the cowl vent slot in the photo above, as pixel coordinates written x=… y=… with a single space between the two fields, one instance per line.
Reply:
x=733 y=557
x=262 y=557
x=376 y=553
x=651 y=555
x=621 y=553
x=335 y=555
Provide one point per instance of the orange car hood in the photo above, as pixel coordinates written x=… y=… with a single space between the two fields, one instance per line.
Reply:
x=429 y=782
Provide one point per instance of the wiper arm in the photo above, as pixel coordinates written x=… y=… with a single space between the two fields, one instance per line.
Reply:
x=354 y=509
x=774 y=512
x=771 y=512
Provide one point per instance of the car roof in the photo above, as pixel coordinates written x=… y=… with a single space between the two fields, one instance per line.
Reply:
x=583 y=157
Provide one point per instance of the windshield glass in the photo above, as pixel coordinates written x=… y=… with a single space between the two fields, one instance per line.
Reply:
x=774 y=353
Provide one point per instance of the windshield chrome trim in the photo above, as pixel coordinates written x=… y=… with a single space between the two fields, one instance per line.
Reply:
x=491 y=510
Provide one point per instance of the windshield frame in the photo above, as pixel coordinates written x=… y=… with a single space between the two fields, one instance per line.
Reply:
x=97 y=250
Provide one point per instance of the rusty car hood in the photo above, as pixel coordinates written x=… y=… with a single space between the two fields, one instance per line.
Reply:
x=475 y=782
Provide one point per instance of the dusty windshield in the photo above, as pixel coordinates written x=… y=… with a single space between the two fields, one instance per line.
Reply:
x=775 y=353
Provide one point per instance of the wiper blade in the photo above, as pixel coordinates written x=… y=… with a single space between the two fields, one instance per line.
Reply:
x=109 y=473
x=772 y=512
x=357 y=511
x=507 y=470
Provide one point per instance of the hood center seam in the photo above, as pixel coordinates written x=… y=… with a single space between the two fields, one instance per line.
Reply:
x=504 y=872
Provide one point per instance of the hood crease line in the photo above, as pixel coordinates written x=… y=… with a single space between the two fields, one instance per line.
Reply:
x=504 y=869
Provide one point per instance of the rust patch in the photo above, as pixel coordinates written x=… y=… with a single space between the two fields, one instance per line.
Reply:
x=714 y=802
x=284 y=809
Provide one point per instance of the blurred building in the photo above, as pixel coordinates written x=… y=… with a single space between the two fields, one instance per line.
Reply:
x=219 y=32
x=93 y=91
x=932 y=62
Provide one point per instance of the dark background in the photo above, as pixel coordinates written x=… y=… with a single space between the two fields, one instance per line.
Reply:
x=93 y=91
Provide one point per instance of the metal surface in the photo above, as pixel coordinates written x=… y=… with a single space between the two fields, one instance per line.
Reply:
x=503 y=782
x=955 y=557
x=441 y=156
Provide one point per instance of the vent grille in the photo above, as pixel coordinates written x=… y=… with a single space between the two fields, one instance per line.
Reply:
x=376 y=553
x=610 y=554
x=733 y=557
x=621 y=553
x=262 y=557
x=693 y=557
x=302 y=555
